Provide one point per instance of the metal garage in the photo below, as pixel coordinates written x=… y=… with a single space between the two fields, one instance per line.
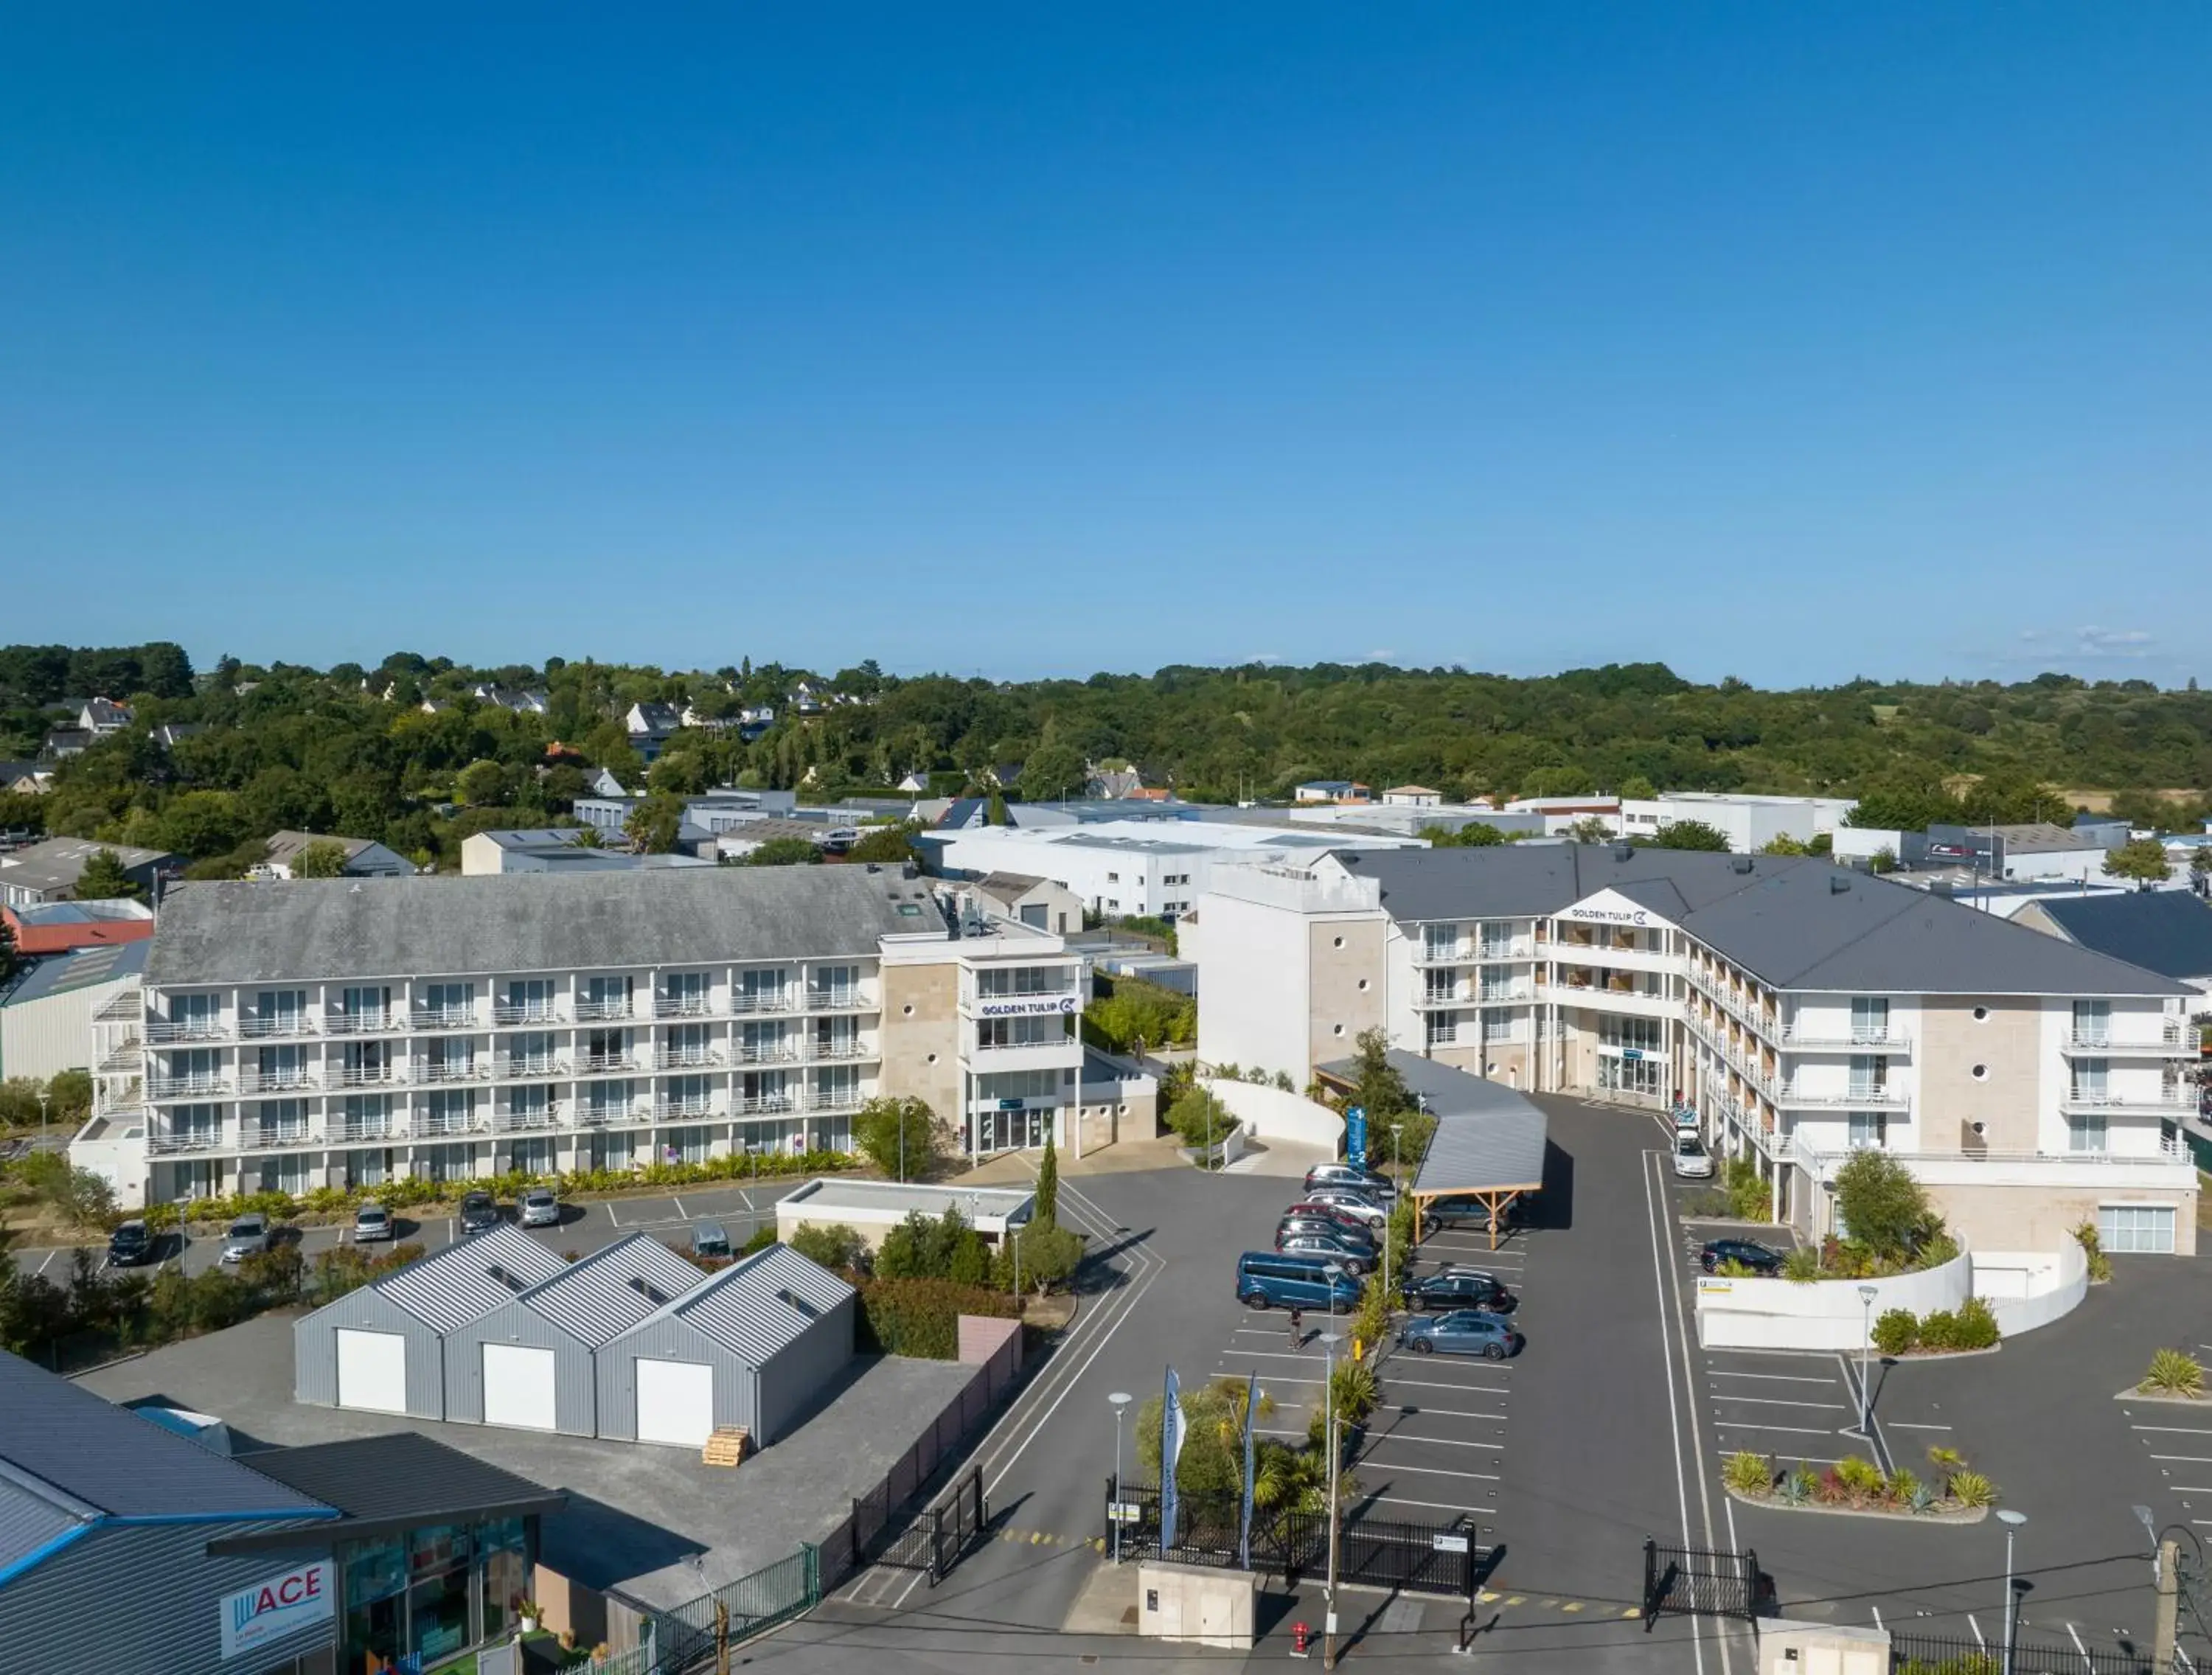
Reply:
x=381 y=1348
x=756 y=1345
x=528 y=1363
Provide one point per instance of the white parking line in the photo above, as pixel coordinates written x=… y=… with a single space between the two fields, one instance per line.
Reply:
x=1790 y=1430
x=681 y=1215
x=1438 y=1506
x=1776 y=1401
x=1468 y=1389
x=1275 y=1355
x=1809 y=1459
x=609 y=1207
x=2193 y=1459
x=1774 y=1378
x=2177 y=1430
x=1376 y=1438
x=1433 y=1472
x=1452 y=1413
x=1900 y=1424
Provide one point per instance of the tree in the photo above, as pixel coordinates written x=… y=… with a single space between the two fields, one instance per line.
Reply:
x=1199 y=1119
x=1638 y=789
x=2143 y=860
x=1882 y=1206
x=785 y=852
x=1212 y=1462
x=1475 y=835
x=1053 y=770
x=104 y=880
x=654 y=824
x=1048 y=1187
x=1689 y=834
x=890 y=845
x=1043 y=1255
x=946 y=1248
x=2200 y=865
x=1591 y=828
x=69 y=1095
x=483 y=785
x=900 y=1136
x=325 y=858
x=836 y=1247
x=994 y=813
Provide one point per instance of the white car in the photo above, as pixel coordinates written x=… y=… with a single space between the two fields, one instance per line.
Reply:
x=1692 y=1161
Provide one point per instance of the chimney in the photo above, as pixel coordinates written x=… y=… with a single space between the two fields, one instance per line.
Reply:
x=1623 y=850
x=1740 y=863
x=1838 y=882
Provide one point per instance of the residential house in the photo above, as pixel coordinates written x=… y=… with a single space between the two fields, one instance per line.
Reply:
x=1412 y=797
x=650 y=727
x=48 y=871
x=62 y=743
x=1333 y=791
x=101 y=717
x=172 y=733
x=365 y=857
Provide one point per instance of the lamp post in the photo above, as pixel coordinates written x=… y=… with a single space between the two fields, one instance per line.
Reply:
x=1328 y=1433
x=902 y=1111
x=1120 y=1399
x=1867 y=1294
x=2012 y=1520
x=45 y=1100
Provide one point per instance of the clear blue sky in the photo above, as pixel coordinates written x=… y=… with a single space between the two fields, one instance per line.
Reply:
x=1789 y=341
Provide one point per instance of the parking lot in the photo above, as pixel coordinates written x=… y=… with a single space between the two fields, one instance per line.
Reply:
x=583 y=1228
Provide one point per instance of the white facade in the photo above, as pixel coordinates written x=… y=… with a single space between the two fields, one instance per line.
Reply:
x=1751 y=823
x=1124 y=868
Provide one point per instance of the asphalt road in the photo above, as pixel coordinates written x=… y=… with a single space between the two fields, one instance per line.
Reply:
x=583 y=1228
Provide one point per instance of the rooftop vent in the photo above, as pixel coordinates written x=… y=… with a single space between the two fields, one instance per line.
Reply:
x=1838 y=882
x=508 y=1280
x=1740 y=864
x=798 y=1302
x=1623 y=850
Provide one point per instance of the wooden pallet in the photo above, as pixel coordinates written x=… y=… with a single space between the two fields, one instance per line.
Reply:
x=726 y=1447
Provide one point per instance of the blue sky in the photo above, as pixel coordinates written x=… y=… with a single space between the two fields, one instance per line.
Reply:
x=1791 y=341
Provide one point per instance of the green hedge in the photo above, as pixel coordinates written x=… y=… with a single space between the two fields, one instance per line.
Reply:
x=922 y=1316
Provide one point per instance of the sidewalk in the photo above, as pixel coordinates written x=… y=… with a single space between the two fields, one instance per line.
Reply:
x=1163 y=1151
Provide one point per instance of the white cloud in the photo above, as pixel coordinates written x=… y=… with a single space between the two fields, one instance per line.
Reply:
x=2098 y=642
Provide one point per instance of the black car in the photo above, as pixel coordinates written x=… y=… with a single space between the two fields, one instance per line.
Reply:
x=1465 y=1212
x=1752 y=1255
x=479 y=1212
x=1312 y=1218
x=130 y=1246
x=1356 y=1259
x=1460 y=1287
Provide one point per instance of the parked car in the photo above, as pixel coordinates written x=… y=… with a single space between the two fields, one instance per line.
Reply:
x=370 y=1221
x=1749 y=1251
x=1362 y=1208
x=1463 y=1332
x=540 y=1208
x=1463 y=1211
x=1354 y=1259
x=1320 y=1218
x=1454 y=1288
x=130 y=1246
x=1292 y=1280
x=1692 y=1161
x=479 y=1212
x=710 y=1239
x=1352 y=1175
x=248 y=1236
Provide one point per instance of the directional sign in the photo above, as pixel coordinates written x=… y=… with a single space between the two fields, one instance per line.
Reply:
x=1447 y=1544
x=1355 y=1134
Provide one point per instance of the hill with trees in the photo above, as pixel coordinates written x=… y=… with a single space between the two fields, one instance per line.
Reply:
x=352 y=751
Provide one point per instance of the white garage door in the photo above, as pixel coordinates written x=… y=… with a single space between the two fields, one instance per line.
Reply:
x=518 y=1388
x=373 y=1370
x=2144 y=1228
x=675 y=1402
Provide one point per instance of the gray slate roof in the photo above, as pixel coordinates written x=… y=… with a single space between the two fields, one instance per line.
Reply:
x=2166 y=930
x=403 y=1478
x=458 y=1285
x=58 y=863
x=533 y=921
x=1489 y=1137
x=759 y=1305
x=1782 y=917
x=595 y=1301
x=70 y=1460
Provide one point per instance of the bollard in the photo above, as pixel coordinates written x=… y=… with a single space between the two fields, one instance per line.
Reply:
x=1301 y=1637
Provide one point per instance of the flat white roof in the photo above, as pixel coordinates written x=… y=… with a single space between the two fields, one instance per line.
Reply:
x=893 y=1201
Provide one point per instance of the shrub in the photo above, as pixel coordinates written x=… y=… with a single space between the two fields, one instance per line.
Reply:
x=922 y=1316
x=836 y=1247
x=1798 y=1487
x=1896 y=1330
x=1747 y=1473
x=1939 y=1329
x=1940 y=1249
x=1971 y=1489
x=940 y=1248
x=1708 y=1204
x=1883 y=1204
x=1859 y=1477
x=1976 y=1325
x=1199 y=1117
x=1732 y=1269
x=2093 y=1246
x=1903 y=1485
x=2173 y=1372
x=1947 y=1462
x=1801 y=1266
x=1046 y=1256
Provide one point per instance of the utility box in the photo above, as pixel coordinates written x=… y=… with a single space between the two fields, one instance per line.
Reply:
x=1196 y=1603
x=1821 y=1649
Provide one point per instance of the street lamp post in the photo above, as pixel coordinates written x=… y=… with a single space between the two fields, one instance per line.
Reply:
x=1120 y=1399
x=1867 y=1294
x=2012 y=1521
x=1328 y=1432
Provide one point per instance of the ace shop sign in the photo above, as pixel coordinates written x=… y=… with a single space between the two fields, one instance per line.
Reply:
x=277 y=1607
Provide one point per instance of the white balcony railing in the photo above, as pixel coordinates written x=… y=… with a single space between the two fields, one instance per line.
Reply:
x=2163 y=1102
x=610 y=1116
x=1877 y=1096
x=687 y=1058
x=784 y=1053
x=188 y=1030
x=526 y=1122
x=599 y=1011
x=683 y=1005
x=1822 y=1162
x=128 y=1007
x=838 y=1000
x=186 y=1087
x=365 y=1076
x=368 y=1133
x=827 y=1053
x=363 y=1023
x=194 y=1139
x=276 y=1026
x=2170 y=1039
x=542 y=1068
x=543 y=1015
x=292 y=1079
x=1819 y=1038
x=448 y=1019
x=743 y=1004
x=606 y=1064
x=259 y=1137
x=430 y=1071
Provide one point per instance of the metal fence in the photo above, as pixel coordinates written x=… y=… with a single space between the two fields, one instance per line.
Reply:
x=1441 y=1558
x=1699 y=1581
x=689 y=1634
x=1927 y=1654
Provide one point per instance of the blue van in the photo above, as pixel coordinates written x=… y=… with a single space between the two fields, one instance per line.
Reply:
x=1265 y=1279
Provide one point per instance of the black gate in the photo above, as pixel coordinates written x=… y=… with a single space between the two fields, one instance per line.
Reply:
x=1444 y=1558
x=1699 y=1581
x=1931 y=1655
x=933 y=1540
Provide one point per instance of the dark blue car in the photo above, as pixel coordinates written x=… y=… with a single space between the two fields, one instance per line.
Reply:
x=1463 y=1332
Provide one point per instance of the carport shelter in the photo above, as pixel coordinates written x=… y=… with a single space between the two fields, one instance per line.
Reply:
x=430 y=1551
x=755 y=1345
x=529 y=1362
x=382 y=1347
x=1489 y=1143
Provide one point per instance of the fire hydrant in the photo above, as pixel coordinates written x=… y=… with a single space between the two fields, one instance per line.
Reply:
x=1301 y=1637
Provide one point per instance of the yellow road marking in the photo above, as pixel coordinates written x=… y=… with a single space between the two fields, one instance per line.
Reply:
x=1572 y=1605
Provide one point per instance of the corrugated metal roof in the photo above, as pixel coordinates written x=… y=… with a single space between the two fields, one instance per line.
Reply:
x=63 y=974
x=599 y=1298
x=2166 y=930
x=462 y=1282
x=69 y=1459
x=402 y=1477
x=759 y=1305
x=1489 y=1137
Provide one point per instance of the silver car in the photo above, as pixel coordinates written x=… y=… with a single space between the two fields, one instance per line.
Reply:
x=248 y=1236
x=540 y=1208
x=370 y=1221
x=1692 y=1161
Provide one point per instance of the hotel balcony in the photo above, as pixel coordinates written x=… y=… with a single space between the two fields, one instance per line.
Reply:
x=629 y=1114
x=605 y=1012
x=526 y=1122
x=547 y=1015
x=2169 y=1102
x=546 y=1067
x=2168 y=1165
x=1615 y=959
x=451 y=1127
x=744 y=1004
x=837 y=1052
x=298 y=1079
x=1027 y=1055
x=186 y=1087
x=684 y=1058
x=1635 y=1003
x=607 y=1064
x=367 y=1133
x=365 y=1076
x=840 y=1000
x=683 y=1006
x=1469 y=954
x=364 y=1023
x=1506 y=994
x=1878 y=1096
x=784 y=1053
x=277 y=1026
x=261 y=1136
x=708 y=1109
x=432 y=1073
x=163 y=1144
x=2172 y=1041
x=190 y=1030
x=1821 y=1038
x=128 y=1007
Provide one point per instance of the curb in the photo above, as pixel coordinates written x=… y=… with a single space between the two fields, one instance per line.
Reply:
x=2132 y=1395
x=1957 y=1516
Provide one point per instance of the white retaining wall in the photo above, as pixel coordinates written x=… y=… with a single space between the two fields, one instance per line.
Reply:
x=2030 y=1289
x=1823 y=1314
x=1269 y=1113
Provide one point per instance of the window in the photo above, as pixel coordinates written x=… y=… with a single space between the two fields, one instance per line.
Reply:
x=1440 y=942
x=283 y=1121
x=1869 y=1019
x=1113 y=877
x=2092 y=1023
x=365 y=1008
x=529 y=1001
x=604 y=998
x=283 y=1067
x=1642 y=1034
x=2092 y=1080
x=450 y=1111
x=1443 y=1028
x=2139 y=1228
x=2085 y=1131
x=687 y=1097
x=1870 y=1074
x=1869 y=1128
x=1496 y=941
x=368 y=1116
x=279 y=1012
x=1440 y=987
x=604 y=1101
x=530 y=1108
x=449 y=1005
x=1497 y=1027
x=1007 y=980
x=195 y=1014
x=835 y=985
x=683 y=992
x=1017 y=1084
x=1047 y=1031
